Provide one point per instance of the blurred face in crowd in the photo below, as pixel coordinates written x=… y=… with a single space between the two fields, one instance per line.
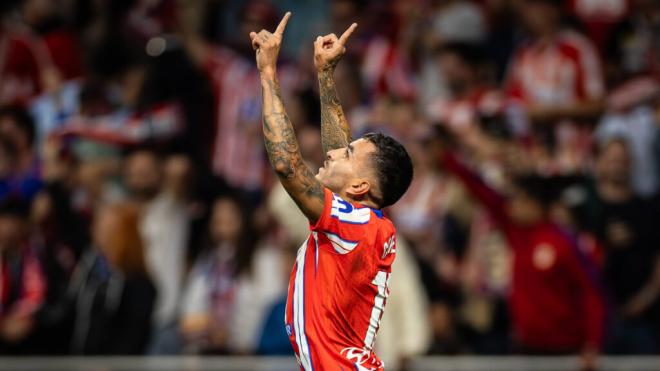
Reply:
x=457 y=73
x=17 y=137
x=540 y=16
x=613 y=162
x=12 y=232
x=523 y=209
x=226 y=221
x=349 y=170
x=105 y=226
x=115 y=233
x=142 y=175
x=178 y=173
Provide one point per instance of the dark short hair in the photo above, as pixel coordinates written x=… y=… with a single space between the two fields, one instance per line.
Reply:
x=22 y=120
x=543 y=189
x=394 y=168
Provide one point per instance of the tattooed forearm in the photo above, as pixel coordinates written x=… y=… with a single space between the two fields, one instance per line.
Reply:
x=335 y=132
x=284 y=153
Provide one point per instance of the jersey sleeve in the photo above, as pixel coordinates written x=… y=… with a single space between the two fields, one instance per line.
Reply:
x=343 y=223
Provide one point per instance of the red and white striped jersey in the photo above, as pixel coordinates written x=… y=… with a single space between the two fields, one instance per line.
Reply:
x=386 y=70
x=238 y=150
x=565 y=72
x=339 y=286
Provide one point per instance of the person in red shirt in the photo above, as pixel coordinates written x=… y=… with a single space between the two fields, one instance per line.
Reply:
x=556 y=302
x=339 y=284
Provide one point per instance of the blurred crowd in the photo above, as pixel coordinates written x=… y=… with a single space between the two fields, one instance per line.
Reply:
x=138 y=213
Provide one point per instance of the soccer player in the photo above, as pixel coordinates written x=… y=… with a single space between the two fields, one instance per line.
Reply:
x=338 y=286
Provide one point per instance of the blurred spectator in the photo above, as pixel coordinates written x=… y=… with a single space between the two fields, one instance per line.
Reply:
x=625 y=223
x=160 y=189
x=469 y=95
x=237 y=93
x=231 y=286
x=404 y=326
x=419 y=214
x=274 y=339
x=22 y=283
x=62 y=236
x=450 y=22
x=21 y=176
x=550 y=274
x=385 y=66
x=113 y=294
x=633 y=47
x=557 y=76
x=631 y=115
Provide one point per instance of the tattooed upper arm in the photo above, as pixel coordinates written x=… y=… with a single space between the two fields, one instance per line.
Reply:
x=335 y=132
x=284 y=153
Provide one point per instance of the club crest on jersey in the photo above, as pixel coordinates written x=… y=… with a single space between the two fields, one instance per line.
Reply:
x=360 y=357
x=357 y=355
x=347 y=213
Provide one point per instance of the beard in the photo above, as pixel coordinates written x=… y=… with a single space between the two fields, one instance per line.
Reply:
x=328 y=180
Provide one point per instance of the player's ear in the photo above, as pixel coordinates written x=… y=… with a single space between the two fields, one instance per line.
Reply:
x=358 y=188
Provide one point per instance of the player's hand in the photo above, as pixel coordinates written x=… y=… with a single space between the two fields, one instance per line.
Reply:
x=267 y=45
x=329 y=49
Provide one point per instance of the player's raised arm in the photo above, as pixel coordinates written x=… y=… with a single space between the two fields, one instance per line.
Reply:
x=328 y=50
x=279 y=137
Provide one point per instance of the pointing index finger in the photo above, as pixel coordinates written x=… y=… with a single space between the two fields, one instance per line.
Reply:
x=280 y=27
x=344 y=37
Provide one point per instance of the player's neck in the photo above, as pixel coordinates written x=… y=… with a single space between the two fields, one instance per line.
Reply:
x=363 y=202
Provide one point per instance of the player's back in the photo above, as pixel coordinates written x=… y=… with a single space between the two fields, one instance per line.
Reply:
x=338 y=287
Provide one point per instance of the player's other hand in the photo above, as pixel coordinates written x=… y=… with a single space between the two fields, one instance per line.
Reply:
x=267 y=46
x=329 y=49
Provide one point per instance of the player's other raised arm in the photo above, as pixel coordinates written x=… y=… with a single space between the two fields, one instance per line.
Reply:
x=279 y=137
x=328 y=50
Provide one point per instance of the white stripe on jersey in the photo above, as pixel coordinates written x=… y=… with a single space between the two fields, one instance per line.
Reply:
x=340 y=245
x=381 y=281
x=299 y=309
